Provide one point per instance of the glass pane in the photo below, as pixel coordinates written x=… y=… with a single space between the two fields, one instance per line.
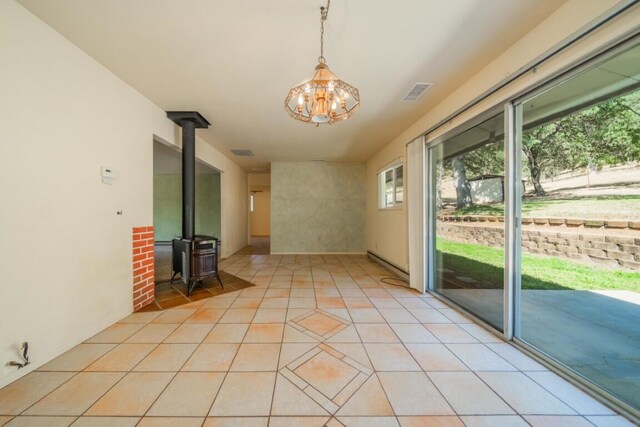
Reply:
x=580 y=297
x=399 y=184
x=388 y=187
x=468 y=199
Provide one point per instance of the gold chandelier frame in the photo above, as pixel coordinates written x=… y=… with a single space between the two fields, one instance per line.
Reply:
x=323 y=99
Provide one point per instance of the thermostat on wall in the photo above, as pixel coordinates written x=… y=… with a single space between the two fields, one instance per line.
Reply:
x=109 y=175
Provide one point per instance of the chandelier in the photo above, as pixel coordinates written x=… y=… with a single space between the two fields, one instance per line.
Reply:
x=324 y=99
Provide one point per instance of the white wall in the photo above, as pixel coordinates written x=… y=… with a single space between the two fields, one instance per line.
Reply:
x=65 y=254
x=387 y=230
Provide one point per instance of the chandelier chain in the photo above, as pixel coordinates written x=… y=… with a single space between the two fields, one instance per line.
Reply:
x=324 y=12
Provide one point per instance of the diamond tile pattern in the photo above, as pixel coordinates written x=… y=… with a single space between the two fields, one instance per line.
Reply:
x=326 y=373
x=325 y=370
x=319 y=324
x=318 y=340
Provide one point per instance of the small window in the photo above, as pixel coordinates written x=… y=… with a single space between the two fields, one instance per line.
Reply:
x=251 y=201
x=391 y=186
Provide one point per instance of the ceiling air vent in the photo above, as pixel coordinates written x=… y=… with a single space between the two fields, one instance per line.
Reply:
x=416 y=92
x=243 y=153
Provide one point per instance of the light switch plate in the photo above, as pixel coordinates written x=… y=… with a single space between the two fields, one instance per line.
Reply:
x=109 y=175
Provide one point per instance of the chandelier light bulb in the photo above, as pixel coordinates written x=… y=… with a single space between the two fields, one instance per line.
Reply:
x=320 y=115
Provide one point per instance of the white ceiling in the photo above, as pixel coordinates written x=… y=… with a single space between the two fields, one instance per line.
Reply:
x=235 y=60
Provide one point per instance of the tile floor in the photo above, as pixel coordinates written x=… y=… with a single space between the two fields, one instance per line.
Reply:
x=320 y=340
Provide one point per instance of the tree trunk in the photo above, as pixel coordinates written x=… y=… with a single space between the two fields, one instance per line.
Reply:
x=463 y=189
x=439 y=175
x=535 y=177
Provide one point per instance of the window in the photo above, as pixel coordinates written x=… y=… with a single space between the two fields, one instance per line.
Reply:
x=391 y=186
x=251 y=202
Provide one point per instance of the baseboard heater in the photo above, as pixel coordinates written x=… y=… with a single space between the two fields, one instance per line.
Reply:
x=388 y=265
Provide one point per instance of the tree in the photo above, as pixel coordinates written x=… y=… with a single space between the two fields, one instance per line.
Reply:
x=606 y=133
x=546 y=148
x=463 y=189
x=487 y=159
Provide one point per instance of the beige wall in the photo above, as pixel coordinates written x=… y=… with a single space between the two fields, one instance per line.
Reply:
x=259 y=180
x=387 y=230
x=261 y=215
x=233 y=184
x=318 y=207
x=64 y=252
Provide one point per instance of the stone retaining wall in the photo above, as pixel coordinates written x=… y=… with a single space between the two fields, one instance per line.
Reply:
x=569 y=222
x=612 y=251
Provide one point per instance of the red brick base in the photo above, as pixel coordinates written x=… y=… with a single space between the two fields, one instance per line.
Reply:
x=143 y=267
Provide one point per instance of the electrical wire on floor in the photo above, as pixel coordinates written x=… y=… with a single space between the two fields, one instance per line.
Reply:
x=393 y=281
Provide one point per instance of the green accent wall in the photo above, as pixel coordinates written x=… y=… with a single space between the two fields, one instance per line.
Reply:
x=318 y=207
x=167 y=205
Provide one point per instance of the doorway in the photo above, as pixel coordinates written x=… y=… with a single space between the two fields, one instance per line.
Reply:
x=259 y=213
x=167 y=209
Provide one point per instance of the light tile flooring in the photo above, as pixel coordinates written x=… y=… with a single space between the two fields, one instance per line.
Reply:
x=320 y=340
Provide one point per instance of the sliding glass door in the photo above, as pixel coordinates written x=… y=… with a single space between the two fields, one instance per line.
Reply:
x=467 y=180
x=580 y=263
x=539 y=236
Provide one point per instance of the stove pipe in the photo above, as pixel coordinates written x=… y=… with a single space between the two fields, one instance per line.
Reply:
x=189 y=121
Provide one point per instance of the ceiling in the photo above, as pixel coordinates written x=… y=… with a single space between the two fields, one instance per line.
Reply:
x=234 y=61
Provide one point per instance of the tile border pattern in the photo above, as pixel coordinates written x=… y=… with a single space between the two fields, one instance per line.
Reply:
x=330 y=403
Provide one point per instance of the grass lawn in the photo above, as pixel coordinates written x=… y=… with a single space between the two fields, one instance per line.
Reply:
x=485 y=264
x=600 y=207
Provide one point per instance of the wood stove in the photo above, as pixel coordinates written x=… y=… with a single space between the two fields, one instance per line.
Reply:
x=195 y=260
x=195 y=257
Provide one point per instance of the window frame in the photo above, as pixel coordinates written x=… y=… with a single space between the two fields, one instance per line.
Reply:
x=382 y=193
